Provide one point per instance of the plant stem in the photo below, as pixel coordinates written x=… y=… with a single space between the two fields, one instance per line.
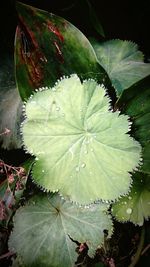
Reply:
x=139 y=249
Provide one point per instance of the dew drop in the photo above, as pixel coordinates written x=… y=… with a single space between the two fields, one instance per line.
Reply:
x=57 y=108
x=129 y=197
x=85 y=152
x=83 y=165
x=37 y=159
x=125 y=203
x=129 y=211
x=77 y=169
x=43 y=171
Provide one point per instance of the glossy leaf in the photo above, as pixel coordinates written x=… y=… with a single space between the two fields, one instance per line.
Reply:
x=48 y=47
x=136 y=206
x=45 y=225
x=82 y=147
x=123 y=63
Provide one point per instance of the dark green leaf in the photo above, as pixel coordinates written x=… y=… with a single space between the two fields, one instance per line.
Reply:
x=48 y=47
x=146 y=159
x=139 y=109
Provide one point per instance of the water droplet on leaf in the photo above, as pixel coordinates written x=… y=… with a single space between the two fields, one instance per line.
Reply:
x=77 y=169
x=83 y=165
x=129 y=211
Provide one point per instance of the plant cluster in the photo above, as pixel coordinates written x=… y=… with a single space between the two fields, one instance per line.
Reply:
x=85 y=127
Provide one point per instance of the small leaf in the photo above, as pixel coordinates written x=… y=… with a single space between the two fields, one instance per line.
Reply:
x=45 y=225
x=82 y=148
x=21 y=184
x=48 y=47
x=123 y=63
x=136 y=206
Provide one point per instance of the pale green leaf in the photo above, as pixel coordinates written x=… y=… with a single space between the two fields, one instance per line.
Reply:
x=42 y=229
x=136 y=206
x=123 y=63
x=82 y=147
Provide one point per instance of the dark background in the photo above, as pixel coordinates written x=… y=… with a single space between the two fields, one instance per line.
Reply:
x=127 y=19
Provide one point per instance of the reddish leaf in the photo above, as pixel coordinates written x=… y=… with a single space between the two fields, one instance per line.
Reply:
x=48 y=47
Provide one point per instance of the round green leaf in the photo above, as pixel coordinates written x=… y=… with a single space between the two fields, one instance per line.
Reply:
x=136 y=206
x=123 y=63
x=42 y=230
x=82 y=147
